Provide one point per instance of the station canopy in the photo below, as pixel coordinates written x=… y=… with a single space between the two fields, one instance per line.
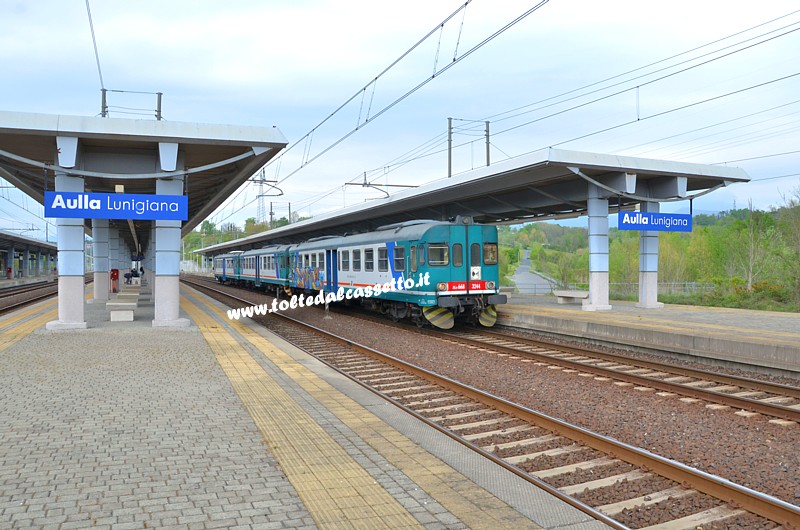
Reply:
x=216 y=159
x=19 y=242
x=546 y=184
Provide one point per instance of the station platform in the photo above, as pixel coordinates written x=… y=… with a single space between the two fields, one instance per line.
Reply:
x=763 y=341
x=223 y=425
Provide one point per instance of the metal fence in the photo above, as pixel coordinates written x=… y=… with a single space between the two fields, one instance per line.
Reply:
x=632 y=289
x=617 y=289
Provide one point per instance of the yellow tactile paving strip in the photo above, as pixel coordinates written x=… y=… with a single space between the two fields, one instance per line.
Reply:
x=714 y=330
x=22 y=323
x=330 y=501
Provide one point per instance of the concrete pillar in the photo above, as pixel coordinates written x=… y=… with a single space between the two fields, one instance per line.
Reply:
x=12 y=262
x=70 y=262
x=598 y=251
x=113 y=253
x=100 y=240
x=648 y=263
x=168 y=260
x=166 y=290
x=25 y=263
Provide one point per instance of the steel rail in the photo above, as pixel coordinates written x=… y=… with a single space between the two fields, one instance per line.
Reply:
x=428 y=376
x=37 y=298
x=755 y=384
x=753 y=501
x=770 y=409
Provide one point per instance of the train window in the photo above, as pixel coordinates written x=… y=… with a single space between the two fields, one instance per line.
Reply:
x=399 y=259
x=421 y=252
x=356 y=260
x=344 y=260
x=438 y=254
x=314 y=261
x=322 y=261
x=413 y=258
x=458 y=254
x=369 y=260
x=475 y=255
x=490 y=253
x=383 y=259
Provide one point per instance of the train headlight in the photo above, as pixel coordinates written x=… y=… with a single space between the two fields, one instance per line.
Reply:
x=441 y=286
x=490 y=285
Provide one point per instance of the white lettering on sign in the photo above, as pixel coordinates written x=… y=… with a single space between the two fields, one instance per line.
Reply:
x=140 y=206
x=635 y=219
x=82 y=202
x=655 y=221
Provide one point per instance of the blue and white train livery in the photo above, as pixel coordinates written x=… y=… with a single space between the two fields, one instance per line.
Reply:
x=458 y=260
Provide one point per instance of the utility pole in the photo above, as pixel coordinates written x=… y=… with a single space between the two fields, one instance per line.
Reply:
x=487 y=142
x=449 y=147
x=271 y=214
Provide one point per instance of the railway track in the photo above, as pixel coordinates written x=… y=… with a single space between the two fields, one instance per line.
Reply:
x=621 y=485
x=29 y=294
x=745 y=394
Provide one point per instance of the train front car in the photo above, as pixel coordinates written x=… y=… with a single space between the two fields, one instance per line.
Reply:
x=460 y=260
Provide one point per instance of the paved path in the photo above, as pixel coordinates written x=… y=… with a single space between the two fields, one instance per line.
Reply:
x=528 y=282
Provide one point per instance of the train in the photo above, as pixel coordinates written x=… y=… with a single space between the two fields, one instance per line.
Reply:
x=430 y=272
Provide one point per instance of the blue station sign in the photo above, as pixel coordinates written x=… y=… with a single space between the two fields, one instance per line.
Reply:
x=135 y=206
x=664 y=222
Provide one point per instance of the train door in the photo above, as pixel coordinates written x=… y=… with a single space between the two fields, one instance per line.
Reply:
x=459 y=242
x=332 y=265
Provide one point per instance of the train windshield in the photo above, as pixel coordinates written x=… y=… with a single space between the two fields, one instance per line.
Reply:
x=490 y=253
x=438 y=254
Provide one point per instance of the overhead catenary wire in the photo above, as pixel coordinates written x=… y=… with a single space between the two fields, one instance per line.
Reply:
x=429 y=147
x=417 y=87
x=411 y=156
x=94 y=43
x=305 y=160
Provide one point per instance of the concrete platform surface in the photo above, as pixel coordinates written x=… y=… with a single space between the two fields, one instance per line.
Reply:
x=222 y=425
x=762 y=340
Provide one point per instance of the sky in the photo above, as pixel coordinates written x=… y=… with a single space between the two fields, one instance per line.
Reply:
x=360 y=92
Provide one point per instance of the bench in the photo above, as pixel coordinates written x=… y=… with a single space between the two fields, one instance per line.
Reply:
x=568 y=297
x=121 y=311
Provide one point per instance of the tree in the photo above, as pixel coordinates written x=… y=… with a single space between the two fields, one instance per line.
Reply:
x=208 y=228
x=756 y=241
x=788 y=221
x=230 y=231
x=277 y=223
x=252 y=227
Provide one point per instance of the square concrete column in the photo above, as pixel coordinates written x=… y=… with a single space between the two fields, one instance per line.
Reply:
x=101 y=280
x=11 y=262
x=166 y=289
x=70 y=264
x=597 y=207
x=25 y=266
x=113 y=255
x=648 y=263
